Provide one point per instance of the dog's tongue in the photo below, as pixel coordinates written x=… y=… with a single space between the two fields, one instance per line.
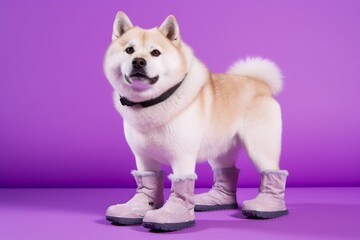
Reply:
x=139 y=84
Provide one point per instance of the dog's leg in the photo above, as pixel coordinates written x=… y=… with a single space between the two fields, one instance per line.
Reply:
x=146 y=164
x=261 y=135
x=222 y=195
x=178 y=211
x=226 y=160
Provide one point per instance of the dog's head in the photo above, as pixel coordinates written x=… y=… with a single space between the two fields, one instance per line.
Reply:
x=141 y=64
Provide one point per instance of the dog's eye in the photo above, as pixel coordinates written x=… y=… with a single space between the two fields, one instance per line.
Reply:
x=155 y=53
x=129 y=50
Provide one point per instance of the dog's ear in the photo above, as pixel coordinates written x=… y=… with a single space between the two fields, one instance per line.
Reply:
x=170 y=29
x=122 y=24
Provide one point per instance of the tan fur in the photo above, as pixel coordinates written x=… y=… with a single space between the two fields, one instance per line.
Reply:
x=232 y=96
x=227 y=88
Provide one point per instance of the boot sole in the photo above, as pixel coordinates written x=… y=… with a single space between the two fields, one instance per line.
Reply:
x=264 y=215
x=168 y=227
x=205 y=208
x=124 y=221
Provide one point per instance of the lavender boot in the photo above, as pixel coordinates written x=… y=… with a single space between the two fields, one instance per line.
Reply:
x=178 y=212
x=222 y=195
x=149 y=196
x=269 y=203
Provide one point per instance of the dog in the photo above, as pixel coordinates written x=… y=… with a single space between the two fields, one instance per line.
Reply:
x=177 y=112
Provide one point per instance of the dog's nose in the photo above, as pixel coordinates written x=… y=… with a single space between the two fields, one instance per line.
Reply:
x=138 y=63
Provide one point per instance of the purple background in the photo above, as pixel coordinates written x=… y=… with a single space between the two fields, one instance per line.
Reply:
x=58 y=126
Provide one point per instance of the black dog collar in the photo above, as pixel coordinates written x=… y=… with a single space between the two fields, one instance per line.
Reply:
x=126 y=102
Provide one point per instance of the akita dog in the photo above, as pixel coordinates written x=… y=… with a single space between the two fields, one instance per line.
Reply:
x=177 y=112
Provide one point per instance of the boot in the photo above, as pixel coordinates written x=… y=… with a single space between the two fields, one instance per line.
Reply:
x=269 y=203
x=149 y=196
x=178 y=211
x=222 y=194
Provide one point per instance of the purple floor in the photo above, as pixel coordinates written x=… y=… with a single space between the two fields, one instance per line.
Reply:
x=315 y=213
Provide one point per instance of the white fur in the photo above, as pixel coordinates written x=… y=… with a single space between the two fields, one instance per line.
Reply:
x=260 y=68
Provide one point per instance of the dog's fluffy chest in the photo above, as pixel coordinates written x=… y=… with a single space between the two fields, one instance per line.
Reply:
x=161 y=143
x=180 y=136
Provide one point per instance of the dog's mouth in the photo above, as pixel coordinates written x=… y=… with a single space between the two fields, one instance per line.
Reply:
x=139 y=77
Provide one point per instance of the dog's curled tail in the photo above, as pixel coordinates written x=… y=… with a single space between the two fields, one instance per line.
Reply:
x=261 y=69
